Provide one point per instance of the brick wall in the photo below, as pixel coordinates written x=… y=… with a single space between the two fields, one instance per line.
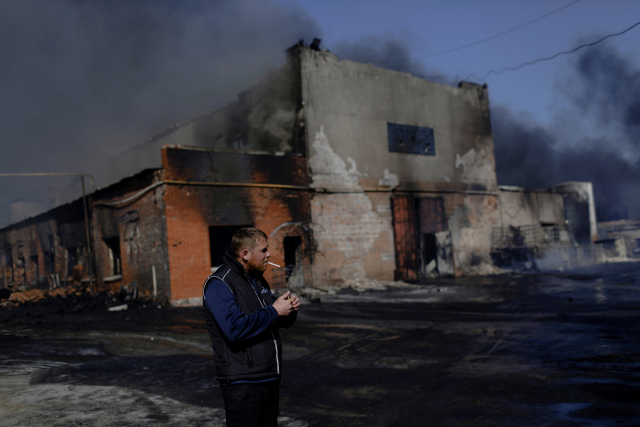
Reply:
x=192 y=209
x=139 y=228
x=36 y=248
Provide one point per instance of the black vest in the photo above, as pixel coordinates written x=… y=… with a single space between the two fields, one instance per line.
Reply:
x=259 y=357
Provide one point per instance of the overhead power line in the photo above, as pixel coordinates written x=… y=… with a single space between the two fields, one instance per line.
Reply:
x=549 y=58
x=495 y=36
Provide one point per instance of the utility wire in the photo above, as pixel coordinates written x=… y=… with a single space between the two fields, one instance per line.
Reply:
x=455 y=49
x=549 y=58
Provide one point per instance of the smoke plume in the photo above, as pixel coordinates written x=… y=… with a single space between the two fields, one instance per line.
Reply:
x=82 y=80
x=386 y=51
x=595 y=138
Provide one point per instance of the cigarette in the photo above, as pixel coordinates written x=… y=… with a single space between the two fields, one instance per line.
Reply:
x=268 y=262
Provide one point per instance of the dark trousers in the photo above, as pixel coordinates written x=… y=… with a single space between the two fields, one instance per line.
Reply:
x=251 y=405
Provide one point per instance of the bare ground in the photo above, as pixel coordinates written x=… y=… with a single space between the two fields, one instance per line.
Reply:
x=509 y=350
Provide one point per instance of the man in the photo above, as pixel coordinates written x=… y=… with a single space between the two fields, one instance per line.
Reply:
x=243 y=318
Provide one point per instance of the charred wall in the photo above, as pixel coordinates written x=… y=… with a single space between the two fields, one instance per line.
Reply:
x=51 y=249
x=580 y=210
x=522 y=207
x=209 y=192
x=130 y=237
x=46 y=250
x=374 y=134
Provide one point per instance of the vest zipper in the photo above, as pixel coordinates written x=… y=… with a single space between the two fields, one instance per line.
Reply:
x=275 y=343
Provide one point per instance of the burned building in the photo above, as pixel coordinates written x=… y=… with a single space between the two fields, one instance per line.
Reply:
x=619 y=239
x=354 y=171
x=547 y=229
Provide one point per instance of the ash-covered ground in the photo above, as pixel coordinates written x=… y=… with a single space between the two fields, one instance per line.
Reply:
x=509 y=350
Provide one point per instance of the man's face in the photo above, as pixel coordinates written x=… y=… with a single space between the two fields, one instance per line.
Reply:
x=256 y=260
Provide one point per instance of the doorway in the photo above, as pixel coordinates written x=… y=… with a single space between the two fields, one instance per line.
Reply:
x=431 y=219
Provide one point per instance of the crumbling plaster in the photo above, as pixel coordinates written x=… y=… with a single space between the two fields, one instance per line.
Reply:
x=471 y=225
x=345 y=225
x=328 y=170
x=354 y=102
x=347 y=106
x=345 y=228
x=477 y=166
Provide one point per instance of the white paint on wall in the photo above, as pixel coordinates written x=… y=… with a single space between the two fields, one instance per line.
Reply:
x=471 y=226
x=477 y=166
x=353 y=168
x=328 y=170
x=389 y=179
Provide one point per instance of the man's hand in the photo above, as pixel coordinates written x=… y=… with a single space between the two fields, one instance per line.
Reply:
x=286 y=304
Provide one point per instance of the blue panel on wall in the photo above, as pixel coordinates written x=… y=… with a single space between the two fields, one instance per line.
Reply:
x=411 y=139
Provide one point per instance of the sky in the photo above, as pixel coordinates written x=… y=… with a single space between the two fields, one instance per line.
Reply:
x=81 y=80
x=429 y=27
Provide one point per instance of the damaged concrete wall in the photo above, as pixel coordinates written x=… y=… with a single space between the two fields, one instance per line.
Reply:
x=347 y=225
x=519 y=206
x=266 y=117
x=624 y=230
x=471 y=226
x=352 y=103
x=350 y=110
x=580 y=210
x=208 y=190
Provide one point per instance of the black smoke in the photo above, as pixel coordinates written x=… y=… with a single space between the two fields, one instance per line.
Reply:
x=596 y=138
x=81 y=80
x=387 y=51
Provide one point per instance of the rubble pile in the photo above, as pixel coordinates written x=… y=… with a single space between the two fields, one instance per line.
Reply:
x=71 y=299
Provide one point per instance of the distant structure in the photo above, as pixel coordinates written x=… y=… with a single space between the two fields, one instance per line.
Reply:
x=354 y=171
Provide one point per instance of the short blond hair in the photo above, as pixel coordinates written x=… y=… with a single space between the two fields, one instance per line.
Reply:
x=246 y=238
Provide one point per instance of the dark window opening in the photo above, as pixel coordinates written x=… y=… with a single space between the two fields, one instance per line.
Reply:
x=7 y=266
x=411 y=139
x=431 y=219
x=429 y=252
x=220 y=241
x=50 y=263
x=35 y=270
x=113 y=245
x=292 y=253
x=72 y=260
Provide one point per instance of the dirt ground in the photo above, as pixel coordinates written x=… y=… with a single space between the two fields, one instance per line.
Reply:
x=509 y=350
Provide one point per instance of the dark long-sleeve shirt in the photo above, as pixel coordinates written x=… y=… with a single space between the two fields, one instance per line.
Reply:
x=234 y=324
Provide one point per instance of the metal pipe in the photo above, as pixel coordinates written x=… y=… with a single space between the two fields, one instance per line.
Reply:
x=86 y=222
x=155 y=283
x=50 y=174
x=289 y=187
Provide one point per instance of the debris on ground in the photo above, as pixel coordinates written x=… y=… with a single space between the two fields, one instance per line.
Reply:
x=359 y=285
x=119 y=307
x=72 y=299
x=364 y=285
